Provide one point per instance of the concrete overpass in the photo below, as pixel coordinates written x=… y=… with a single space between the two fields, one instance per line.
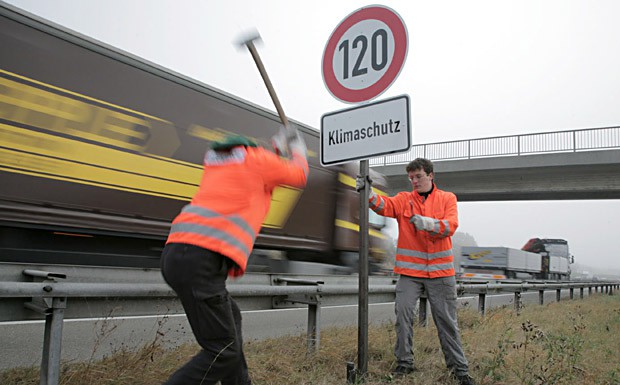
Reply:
x=577 y=164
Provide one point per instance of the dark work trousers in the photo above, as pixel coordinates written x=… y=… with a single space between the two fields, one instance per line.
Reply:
x=441 y=293
x=198 y=276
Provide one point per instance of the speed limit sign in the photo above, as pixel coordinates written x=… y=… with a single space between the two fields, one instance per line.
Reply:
x=365 y=54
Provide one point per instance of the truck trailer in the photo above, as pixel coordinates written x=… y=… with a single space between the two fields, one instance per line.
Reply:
x=539 y=258
x=100 y=150
x=500 y=262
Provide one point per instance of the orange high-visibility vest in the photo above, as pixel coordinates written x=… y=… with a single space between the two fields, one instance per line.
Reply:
x=233 y=199
x=420 y=253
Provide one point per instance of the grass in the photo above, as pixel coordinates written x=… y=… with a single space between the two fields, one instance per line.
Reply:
x=571 y=342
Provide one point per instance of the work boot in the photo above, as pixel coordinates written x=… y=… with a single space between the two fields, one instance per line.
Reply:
x=464 y=379
x=402 y=371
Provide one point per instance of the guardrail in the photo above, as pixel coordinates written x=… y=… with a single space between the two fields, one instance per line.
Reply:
x=48 y=296
x=512 y=145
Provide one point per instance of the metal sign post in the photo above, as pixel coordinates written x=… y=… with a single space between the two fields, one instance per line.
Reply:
x=362 y=328
x=362 y=58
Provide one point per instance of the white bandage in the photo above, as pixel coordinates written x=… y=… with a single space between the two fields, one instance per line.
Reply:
x=423 y=223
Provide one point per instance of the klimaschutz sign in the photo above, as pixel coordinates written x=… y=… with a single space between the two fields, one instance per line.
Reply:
x=362 y=58
x=365 y=131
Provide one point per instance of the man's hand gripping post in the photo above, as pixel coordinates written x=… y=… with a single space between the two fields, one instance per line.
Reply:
x=360 y=183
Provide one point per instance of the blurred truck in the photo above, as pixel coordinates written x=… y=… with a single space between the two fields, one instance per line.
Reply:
x=100 y=150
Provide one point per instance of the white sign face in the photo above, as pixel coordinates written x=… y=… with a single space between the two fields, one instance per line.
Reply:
x=365 y=54
x=366 y=131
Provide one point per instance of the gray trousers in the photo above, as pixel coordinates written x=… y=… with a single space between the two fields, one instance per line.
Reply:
x=441 y=294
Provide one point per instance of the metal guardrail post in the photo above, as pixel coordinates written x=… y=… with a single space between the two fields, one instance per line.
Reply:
x=482 y=297
x=52 y=342
x=581 y=293
x=314 y=309
x=314 y=326
x=518 y=304
x=558 y=295
x=54 y=310
x=571 y=292
x=541 y=297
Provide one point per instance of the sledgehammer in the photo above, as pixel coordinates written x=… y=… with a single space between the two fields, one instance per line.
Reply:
x=248 y=41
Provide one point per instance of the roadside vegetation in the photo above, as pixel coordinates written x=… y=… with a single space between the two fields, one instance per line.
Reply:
x=571 y=342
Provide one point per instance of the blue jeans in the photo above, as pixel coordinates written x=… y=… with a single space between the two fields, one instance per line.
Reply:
x=198 y=276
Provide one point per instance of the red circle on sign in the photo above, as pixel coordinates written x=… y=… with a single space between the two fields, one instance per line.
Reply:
x=397 y=27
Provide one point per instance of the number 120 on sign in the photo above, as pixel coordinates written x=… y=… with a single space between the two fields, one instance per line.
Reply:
x=364 y=54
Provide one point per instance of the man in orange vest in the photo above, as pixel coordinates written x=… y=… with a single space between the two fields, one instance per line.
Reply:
x=427 y=217
x=212 y=238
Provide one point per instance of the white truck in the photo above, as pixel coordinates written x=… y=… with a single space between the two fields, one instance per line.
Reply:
x=499 y=262
x=539 y=258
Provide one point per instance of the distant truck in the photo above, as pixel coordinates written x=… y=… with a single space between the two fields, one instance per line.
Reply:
x=556 y=258
x=539 y=259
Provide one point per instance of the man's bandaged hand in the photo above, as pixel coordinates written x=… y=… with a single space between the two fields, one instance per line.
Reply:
x=423 y=223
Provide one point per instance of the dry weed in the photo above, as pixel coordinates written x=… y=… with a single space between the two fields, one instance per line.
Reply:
x=571 y=342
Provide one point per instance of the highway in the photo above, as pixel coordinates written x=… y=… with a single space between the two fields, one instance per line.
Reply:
x=93 y=338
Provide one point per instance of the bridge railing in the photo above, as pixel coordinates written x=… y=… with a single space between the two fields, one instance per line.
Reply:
x=514 y=145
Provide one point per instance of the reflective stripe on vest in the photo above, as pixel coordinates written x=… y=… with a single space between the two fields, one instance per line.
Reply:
x=213 y=232
x=377 y=203
x=206 y=213
x=436 y=227
x=419 y=263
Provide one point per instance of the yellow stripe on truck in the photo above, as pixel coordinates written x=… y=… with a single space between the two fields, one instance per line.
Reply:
x=283 y=200
x=350 y=181
x=58 y=134
x=356 y=227
x=55 y=157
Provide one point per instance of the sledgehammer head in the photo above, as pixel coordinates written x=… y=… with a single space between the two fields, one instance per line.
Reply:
x=248 y=39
